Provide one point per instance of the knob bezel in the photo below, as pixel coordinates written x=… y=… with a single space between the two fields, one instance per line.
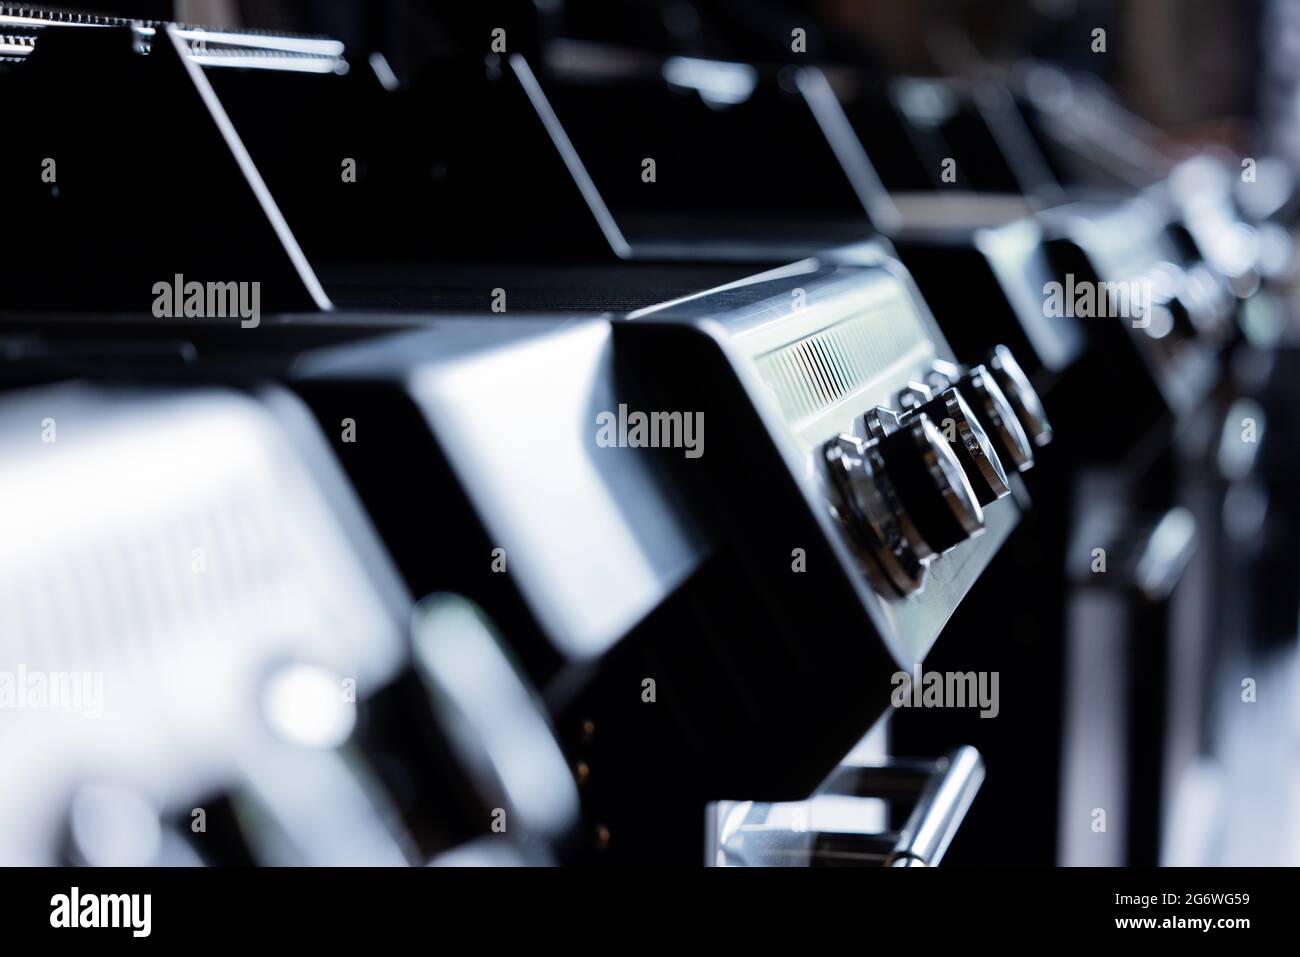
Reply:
x=970 y=443
x=868 y=506
x=1022 y=396
x=999 y=418
x=921 y=463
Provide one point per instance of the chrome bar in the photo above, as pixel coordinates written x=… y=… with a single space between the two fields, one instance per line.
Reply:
x=939 y=810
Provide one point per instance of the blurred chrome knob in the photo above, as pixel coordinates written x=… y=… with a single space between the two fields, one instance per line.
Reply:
x=1021 y=395
x=1210 y=302
x=868 y=505
x=969 y=443
x=108 y=825
x=998 y=417
x=942 y=375
x=937 y=498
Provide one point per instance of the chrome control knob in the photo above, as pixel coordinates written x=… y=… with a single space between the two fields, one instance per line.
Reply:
x=969 y=443
x=1020 y=393
x=868 y=505
x=998 y=418
x=939 y=505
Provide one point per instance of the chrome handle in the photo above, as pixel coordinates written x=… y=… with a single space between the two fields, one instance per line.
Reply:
x=747 y=833
x=940 y=810
x=945 y=789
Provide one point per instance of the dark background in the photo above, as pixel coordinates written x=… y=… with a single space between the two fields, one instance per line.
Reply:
x=1188 y=66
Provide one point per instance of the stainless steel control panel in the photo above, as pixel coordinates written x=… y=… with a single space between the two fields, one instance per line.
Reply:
x=905 y=460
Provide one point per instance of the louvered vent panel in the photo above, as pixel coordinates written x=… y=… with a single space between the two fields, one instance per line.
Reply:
x=811 y=374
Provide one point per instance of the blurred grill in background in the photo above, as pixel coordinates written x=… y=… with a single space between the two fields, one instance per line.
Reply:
x=671 y=431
